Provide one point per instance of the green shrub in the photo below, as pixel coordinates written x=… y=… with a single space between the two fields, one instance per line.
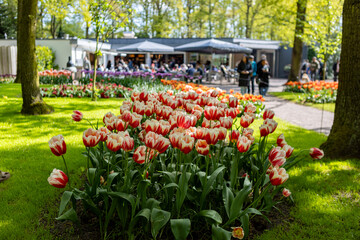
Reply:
x=45 y=58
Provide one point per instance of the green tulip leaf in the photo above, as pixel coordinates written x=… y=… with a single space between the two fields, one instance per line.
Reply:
x=219 y=233
x=211 y=214
x=159 y=218
x=180 y=228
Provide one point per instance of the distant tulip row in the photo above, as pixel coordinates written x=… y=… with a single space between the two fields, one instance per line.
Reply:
x=194 y=153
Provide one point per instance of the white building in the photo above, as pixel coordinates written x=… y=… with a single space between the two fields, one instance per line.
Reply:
x=77 y=49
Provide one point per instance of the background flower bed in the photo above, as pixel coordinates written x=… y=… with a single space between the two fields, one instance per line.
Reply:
x=326 y=196
x=314 y=92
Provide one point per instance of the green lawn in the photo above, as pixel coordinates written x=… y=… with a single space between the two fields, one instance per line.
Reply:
x=294 y=97
x=326 y=192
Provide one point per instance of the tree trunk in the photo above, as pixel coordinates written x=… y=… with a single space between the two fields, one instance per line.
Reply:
x=247 y=19
x=94 y=96
x=298 y=43
x=87 y=31
x=27 y=72
x=344 y=138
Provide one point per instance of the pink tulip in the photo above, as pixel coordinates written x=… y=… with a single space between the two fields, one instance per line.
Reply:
x=57 y=145
x=58 y=178
x=77 y=116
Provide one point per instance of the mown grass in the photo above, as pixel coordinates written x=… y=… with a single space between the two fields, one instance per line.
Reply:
x=294 y=97
x=326 y=192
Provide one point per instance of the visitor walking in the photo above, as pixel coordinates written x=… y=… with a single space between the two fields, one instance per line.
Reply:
x=263 y=73
x=108 y=65
x=336 y=69
x=245 y=71
x=253 y=76
x=314 y=67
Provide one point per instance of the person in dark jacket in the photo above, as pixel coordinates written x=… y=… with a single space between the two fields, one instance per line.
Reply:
x=245 y=71
x=336 y=69
x=263 y=73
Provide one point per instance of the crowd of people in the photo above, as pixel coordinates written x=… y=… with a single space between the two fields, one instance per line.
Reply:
x=251 y=72
x=314 y=70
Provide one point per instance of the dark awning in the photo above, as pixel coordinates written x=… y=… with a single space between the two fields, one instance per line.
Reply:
x=213 y=46
x=146 y=46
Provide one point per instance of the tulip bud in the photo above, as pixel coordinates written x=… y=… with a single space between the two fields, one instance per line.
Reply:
x=202 y=147
x=281 y=140
x=57 y=145
x=151 y=139
x=243 y=144
x=288 y=149
x=234 y=135
x=77 y=116
x=162 y=144
x=226 y=122
x=135 y=96
x=186 y=144
x=212 y=136
x=210 y=113
x=104 y=132
x=238 y=232
x=127 y=144
x=120 y=125
x=140 y=154
x=135 y=120
x=246 y=120
x=233 y=102
x=277 y=157
x=114 y=142
x=108 y=115
x=316 y=153
x=286 y=192
x=231 y=112
x=222 y=133
x=278 y=176
x=58 y=178
x=250 y=108
x=91 y=137
x=110 y=122
x=174 y=139
x=268 y=114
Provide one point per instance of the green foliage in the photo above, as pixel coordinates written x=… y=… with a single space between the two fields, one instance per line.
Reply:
x=8 y=20
x=45 y=58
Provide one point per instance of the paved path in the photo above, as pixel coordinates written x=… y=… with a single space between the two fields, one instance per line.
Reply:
x=303 y=116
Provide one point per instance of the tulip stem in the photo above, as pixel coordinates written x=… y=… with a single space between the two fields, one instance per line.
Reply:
x=66 y=169
x=88 y=160
x=90 y=123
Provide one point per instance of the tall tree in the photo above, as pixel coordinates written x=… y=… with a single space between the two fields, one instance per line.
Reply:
x=103 y=13
x=298 y=43
x=344 y=138
x=27 y=72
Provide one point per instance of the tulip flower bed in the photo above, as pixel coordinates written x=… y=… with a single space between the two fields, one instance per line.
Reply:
x=103 y=90
x=55 y=77
x=8 y=78
x=326 y=193
x=171 y=168
x=314 y=92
